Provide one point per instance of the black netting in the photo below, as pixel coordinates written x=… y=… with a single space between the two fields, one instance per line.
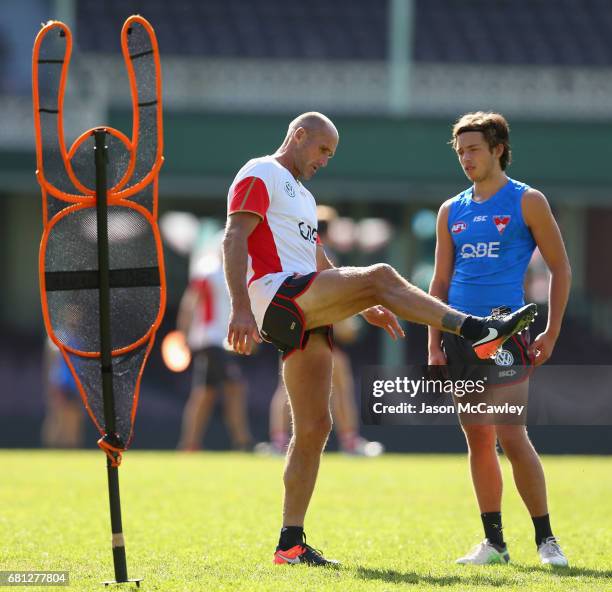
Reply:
x=144 y=197
x=125 y=375
x=54 y=169
x=71 y=257
x=146 y=80
x=83 y=162
x=139 y=45
x=51 y=53
x=74 y=316
x=147 y=143
x=133 y=312
x=55 y=205
x=50 y=63
x=72 y=243
x=131 y=239
x=72 y=247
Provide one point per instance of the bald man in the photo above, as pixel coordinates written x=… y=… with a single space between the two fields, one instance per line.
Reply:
x=284 y=288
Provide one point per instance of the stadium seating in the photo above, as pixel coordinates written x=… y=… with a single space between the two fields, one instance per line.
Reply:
x=289 y=29
x=545 y=32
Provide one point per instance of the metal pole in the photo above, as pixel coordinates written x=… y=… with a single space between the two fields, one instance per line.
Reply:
x=65 y=11
x=401 y=28
x=118 y=544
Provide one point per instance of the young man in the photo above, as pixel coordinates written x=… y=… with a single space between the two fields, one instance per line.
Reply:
x=485 y=238
x=282 y=284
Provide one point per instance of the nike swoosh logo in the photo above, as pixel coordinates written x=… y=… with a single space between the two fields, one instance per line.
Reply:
x=289 y=559
x=492 y=335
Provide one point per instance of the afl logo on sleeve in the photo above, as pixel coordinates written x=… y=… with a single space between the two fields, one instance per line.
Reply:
x=458 y=227
x=501 y=222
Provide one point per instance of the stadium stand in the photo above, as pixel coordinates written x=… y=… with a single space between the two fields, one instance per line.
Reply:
x=542 y=32
x=343 y=29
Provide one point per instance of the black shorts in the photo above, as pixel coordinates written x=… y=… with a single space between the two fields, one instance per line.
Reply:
x=511 y=365
x=284 y=324
x=213 y=366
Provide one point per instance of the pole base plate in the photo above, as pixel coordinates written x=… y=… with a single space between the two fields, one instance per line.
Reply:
x=131 y=580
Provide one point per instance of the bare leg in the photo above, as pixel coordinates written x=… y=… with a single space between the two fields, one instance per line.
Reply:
x=307 y=376
x=236 y=414
x=526 y=467
x=196 y=416
x=336 y=294
x=484 y=466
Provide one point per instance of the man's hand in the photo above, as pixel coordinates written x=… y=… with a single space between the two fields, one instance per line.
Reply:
x=242 y=330
x=436 y=357
x=542 y=348
x=379 y=316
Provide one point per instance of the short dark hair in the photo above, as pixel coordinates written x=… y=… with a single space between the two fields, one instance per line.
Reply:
x=492 y=125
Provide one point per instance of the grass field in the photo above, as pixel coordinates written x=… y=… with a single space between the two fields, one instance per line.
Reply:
x=210 y=522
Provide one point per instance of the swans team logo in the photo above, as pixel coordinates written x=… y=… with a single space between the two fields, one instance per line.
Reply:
x=504 y=358
x=289 y=189
x=501 y=222
x=458 y=227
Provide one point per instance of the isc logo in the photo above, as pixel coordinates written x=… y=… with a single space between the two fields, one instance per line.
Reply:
x=491 y=249
x=480 y=218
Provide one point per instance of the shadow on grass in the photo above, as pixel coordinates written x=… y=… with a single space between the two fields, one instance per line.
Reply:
x=480 y=578
x=565 y=572
x=410 y=577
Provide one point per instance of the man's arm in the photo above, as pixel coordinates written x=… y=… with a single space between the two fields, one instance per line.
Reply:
x=242 y=329
x=323 y=261
x=543 y=226
x=440 y=282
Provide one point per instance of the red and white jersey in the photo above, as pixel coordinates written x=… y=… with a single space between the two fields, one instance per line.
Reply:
x=211 y=316
x=285 y=241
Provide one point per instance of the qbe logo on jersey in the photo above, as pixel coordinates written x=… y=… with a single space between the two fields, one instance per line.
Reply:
x=479 y=250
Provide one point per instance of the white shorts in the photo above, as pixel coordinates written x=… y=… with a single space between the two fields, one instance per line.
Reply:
x=261 y=292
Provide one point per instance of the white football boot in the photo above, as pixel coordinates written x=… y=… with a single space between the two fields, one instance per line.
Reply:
x=551 y=554
x=485 y=554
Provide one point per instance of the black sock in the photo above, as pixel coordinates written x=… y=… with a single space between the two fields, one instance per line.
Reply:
x=472 y=327
x=542 y=528
x=492 y=523
x=290 y=536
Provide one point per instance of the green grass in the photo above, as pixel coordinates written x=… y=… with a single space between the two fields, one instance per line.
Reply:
x=210 y=522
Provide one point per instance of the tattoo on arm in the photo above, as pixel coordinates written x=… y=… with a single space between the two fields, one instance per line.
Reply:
x=452 y=322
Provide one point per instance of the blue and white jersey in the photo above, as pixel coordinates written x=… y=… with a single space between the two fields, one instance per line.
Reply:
x=493 y=247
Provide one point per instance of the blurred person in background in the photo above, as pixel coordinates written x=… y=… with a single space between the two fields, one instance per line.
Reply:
x=283 y=285
x=343 y=406
x=202 y=319
x=63 y=423
x=486 y=236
